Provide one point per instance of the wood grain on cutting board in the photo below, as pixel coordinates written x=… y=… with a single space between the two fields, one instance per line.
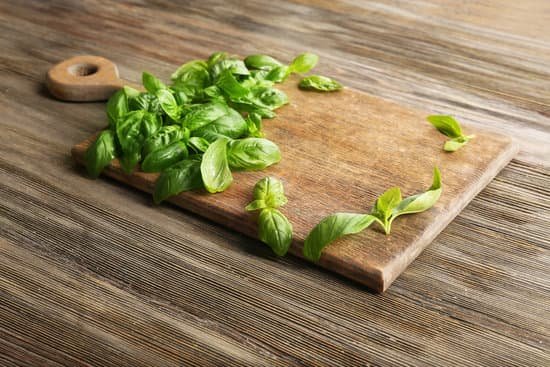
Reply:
x=340 y=151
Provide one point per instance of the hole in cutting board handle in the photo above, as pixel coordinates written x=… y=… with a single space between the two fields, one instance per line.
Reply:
x=82 y=70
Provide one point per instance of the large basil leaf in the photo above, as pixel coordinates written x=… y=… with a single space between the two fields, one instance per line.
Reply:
x=165 y=136
x=164 y=157
x=168 y=104
x=230 y=85
x=117 y=105
x=231 y=125
x=235 y=66
x=252 y=153
x=191 y=78
x=275 y=230
x=151 y=83
x=182 y=176
x=320 y=83
x=100 y=153
x=268 y=193
x=278 y=74
x=263 y=62
x=304 y=63
x=203 y=114
x=214 y=168
x=198 y=144
x=331 y=228
x=145 y=101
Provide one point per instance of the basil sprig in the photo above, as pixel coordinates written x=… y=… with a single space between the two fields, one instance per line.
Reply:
x=274 y=228
x=448 y=126
x=387 y=207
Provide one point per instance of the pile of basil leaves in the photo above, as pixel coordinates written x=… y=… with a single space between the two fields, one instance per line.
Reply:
x=199 y=128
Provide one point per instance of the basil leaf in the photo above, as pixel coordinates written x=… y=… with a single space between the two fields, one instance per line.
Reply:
x=231 y=125
x=303 y=63
x=191 y=78
x=331 y=228
x=129 y=159
x=254 y=125
x=252 y=153
x=152 y=84
x=215 y=58
x=168 y=104
x=455 y=144
x=214 y=168
x=275 y=230
x=387 y=202
x=268 y=193
x=117 y=106
x=164 y=157
x=320 y=83
x=262 y=62
x=235 y=66
x=203 y=114
x=145 y=101
x=229 y=84
x=446 y=125
x=100 y=153
x=278 y=74
x=182 y=176
x=420 y=202
x=198 y=144
x=164 y=137
x=271 y=97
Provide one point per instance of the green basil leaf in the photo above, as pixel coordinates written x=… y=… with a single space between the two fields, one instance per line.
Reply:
x=387 y=202
x=455 y=144
x=252 y=153
x=215 y=58
x=163 y=158
x=203 y=114
x=263 y=62
x=100 y=153
x=151 y=83
x=268 y=193
x=304 y=63
x=254 y=125
x=192 y=78
x=198 y=144
x=320 y=83
x=235 y=66
x=145 y=101
x=229 y=84
x=164 y=137
x=278 y=74
x=182 y=176
x=420 y=202
x=331 y=228
x=214 y=168
x=129 y=159
x=446 y=125
x=275 y=230
x=168 y=104
x=271 y=97
x=117 y=106
x=231 y=125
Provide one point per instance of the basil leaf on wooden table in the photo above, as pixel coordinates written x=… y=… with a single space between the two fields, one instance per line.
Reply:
x=231 y=125
x=303 y=63
x=198 y=144
x=203 y=114
x=448 y=126
x=215 y=171
x=331 y=228
x=275 y=230
x=100 y=153
x=268 y=193
x=164 y=157
x=182 y=176
x=165 y=136
x=320 y=83
x=252 y=153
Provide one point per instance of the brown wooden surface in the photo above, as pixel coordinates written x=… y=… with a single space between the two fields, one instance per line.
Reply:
x=91 y=274
x=340 y=152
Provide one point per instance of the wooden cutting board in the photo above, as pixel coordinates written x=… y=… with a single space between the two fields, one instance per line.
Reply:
x=339 y=152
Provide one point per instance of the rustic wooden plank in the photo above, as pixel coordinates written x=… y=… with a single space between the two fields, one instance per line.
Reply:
x=340 y=151
x=477 y=296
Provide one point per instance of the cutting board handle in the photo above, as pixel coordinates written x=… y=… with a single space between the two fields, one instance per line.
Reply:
x=84 y=79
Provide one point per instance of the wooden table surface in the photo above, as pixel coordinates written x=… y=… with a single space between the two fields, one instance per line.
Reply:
x=92 y=274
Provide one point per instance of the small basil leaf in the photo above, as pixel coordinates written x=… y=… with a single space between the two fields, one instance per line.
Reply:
x=331 y=228
x=387 y=202
x=455 y=144
x=117 y=106
x=304 y=63
x=254 y=125
x=320 y=83
x=263 y=62
x=203 y=114
x=271 y=191
x=182 y=176
x=198 y=144
x=278 y=74
x=163 y=158
x=446 y=125
x=214 y=168
x=100 y=153
x=229 y=84
x=168 y=104
x=215 y=58
x=231 y=125
x=252 y=153
x=151 y=83
x=275 y=230
x=164 y=137
x=256 y=205
x=272 y=97
x=420 y=202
